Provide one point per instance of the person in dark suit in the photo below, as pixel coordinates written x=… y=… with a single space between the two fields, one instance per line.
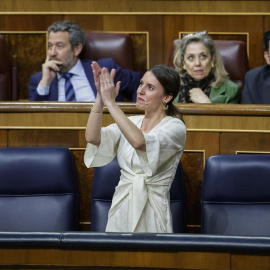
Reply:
x=65 y=43
x=257 y=80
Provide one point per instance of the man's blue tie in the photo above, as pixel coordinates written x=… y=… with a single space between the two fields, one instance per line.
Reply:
x=70 y=94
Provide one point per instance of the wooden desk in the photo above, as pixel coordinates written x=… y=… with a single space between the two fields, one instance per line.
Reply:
x=59 y=251
x=212 y=129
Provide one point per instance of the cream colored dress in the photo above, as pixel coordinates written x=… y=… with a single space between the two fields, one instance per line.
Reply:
x=141 y=202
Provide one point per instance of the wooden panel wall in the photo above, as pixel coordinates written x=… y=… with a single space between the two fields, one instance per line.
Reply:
x=24 y=22
x=55 y=259
x=211 y=129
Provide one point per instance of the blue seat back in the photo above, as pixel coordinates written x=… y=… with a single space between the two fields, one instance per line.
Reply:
x=106 y=179
x=38 y=189
x=236 y=195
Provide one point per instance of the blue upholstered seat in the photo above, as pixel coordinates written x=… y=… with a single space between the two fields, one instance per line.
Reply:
x=106 y=179
x=236 y=195
x=38 y=189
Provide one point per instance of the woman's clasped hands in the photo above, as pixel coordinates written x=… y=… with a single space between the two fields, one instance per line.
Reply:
x=104 y=82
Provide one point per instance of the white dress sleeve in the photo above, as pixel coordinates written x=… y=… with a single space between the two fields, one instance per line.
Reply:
x=97 y=156
x=163 y=143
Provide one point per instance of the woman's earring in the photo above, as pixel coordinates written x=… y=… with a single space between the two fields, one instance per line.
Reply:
x=184 y=67
x=165 y=106
x=213 y=64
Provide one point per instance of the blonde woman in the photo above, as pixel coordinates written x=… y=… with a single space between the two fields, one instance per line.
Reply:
x=203 y=76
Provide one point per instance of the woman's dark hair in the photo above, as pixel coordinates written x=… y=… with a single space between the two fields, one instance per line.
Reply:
x=169 y=78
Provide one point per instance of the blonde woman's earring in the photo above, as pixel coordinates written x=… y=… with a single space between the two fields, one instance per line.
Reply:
x=165 y=106
x=213 y=64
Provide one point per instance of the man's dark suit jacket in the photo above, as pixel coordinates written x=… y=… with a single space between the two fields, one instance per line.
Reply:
x=257 y=86
x=130 y=81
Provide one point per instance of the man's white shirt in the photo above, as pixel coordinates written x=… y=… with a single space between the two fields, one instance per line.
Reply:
x=81 y=85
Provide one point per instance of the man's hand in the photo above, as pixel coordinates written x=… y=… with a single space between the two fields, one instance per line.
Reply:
x=49 y=70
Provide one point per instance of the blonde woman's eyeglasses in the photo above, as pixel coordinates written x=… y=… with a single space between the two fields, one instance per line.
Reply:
x=200 y=33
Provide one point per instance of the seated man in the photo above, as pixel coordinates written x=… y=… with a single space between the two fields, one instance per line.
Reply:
x=65 y=77
x=257 y=80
